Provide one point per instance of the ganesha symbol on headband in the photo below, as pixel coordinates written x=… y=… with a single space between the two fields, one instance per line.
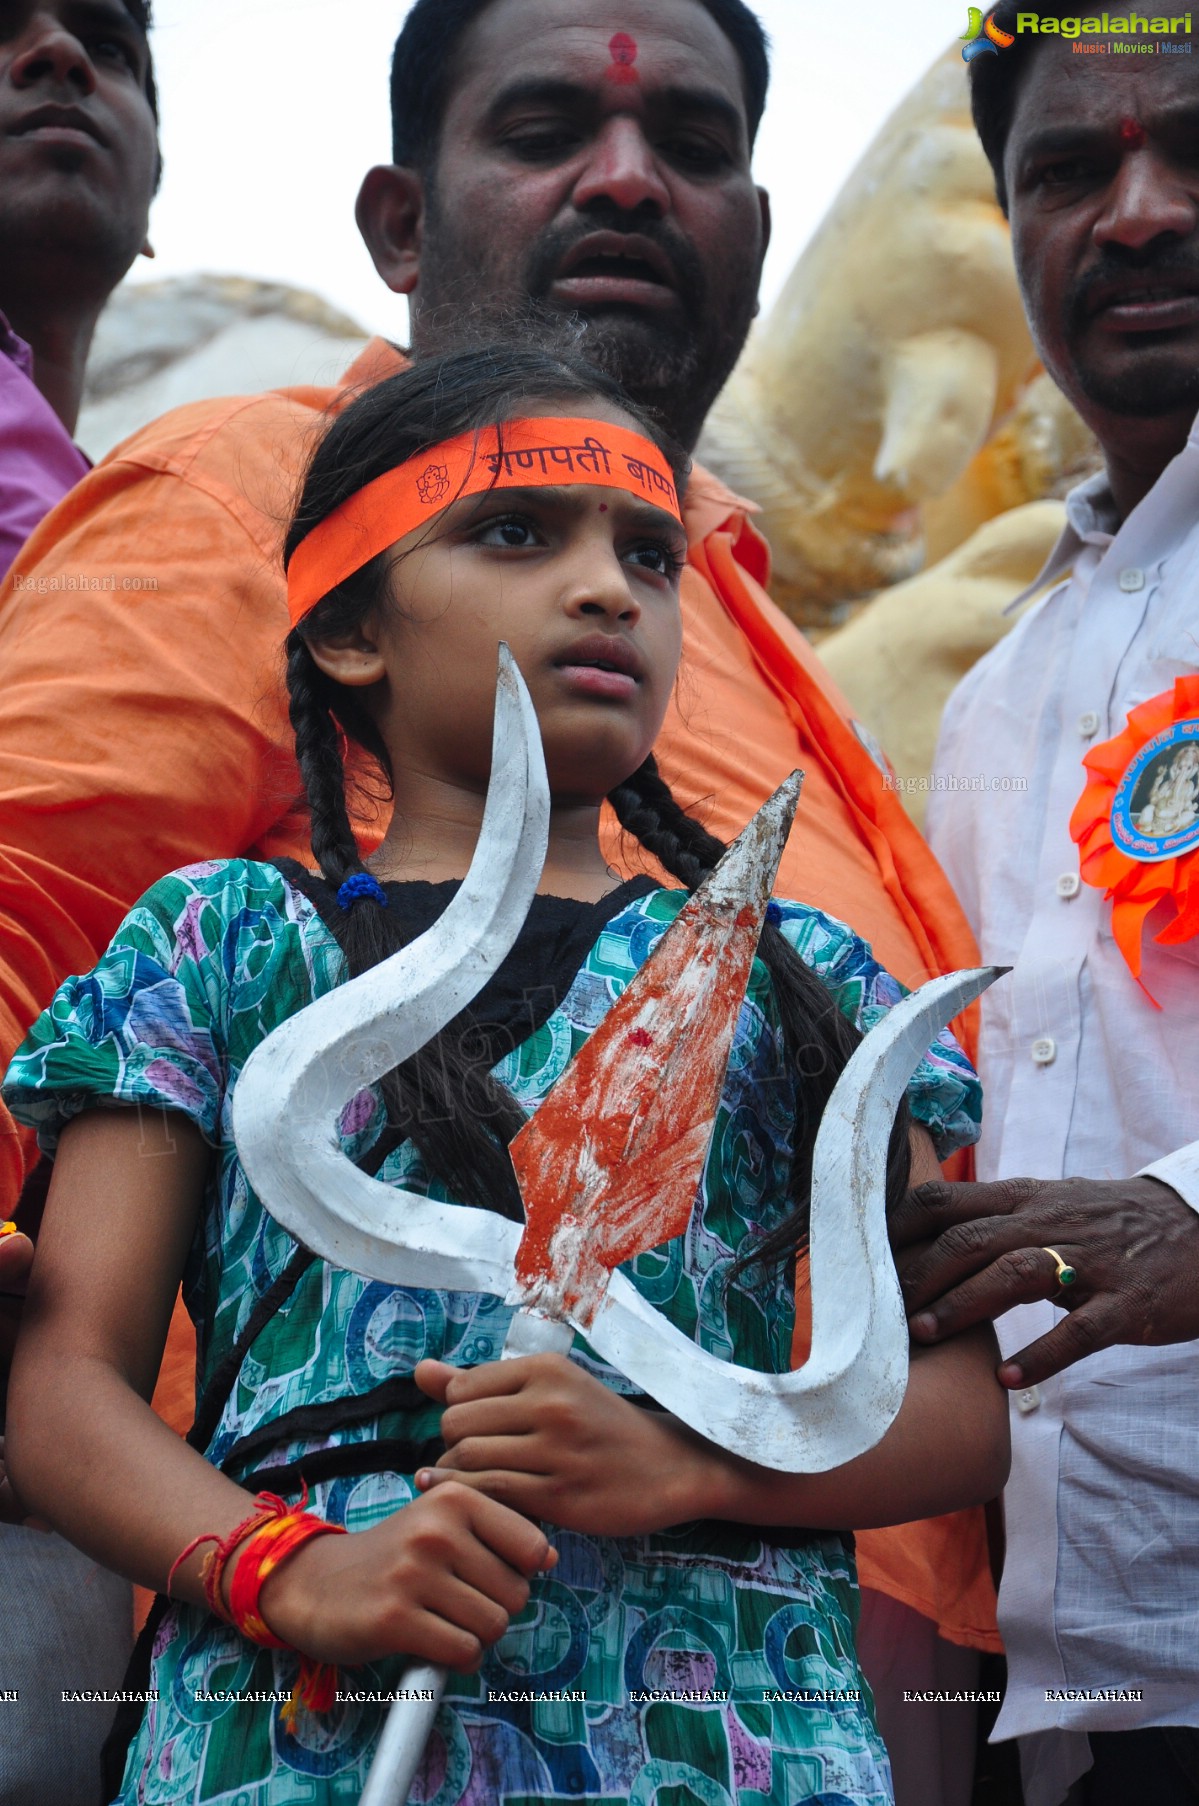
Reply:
x=434 y=485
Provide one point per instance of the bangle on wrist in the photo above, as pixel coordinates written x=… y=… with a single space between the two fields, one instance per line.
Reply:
x=261 y=1543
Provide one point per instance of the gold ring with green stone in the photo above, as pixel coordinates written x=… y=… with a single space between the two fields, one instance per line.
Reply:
x=1066 y=1274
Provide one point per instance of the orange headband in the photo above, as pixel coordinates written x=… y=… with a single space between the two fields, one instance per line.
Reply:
x=519 y=454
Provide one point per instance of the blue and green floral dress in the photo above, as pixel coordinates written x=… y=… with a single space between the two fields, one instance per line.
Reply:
x=701 y=1666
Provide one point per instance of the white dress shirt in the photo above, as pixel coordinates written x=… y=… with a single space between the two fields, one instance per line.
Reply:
x=1084 y=1078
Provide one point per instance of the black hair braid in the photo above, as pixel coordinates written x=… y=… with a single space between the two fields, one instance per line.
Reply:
x=425 y=1096
x=645 y=808
x=818 y=1038
x=318 y=750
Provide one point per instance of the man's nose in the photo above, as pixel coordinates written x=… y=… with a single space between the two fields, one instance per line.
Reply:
x=622 y=168
x=1147 y=198
x=46 y=50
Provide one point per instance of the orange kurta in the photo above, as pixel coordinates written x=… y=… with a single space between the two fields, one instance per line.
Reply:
x=143 y=721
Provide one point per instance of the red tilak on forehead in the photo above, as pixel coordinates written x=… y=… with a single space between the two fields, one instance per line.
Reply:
x=1132 y=133
x=623 y=49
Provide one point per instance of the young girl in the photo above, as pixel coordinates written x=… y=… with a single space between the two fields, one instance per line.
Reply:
x=631 y=1614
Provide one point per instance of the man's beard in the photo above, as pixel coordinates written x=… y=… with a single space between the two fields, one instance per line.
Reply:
x=1159 y=377
x=673 y=363
x=1155 y=388
x=657 y=367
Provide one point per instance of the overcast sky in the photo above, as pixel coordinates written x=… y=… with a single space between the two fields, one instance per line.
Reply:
x=272 y=110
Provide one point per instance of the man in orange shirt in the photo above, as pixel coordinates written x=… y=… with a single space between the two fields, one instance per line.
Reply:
x=594 y=158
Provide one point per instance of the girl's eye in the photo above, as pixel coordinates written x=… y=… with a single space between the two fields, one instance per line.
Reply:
x=510 y=531
x=658 y=556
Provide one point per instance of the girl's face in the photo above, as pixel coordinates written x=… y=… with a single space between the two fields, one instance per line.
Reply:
x=582 y=583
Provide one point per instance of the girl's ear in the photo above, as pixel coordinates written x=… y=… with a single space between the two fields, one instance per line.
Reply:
x=351 y=658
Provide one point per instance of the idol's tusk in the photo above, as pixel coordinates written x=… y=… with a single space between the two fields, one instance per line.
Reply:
x=848 y=1393
x=295 y=1084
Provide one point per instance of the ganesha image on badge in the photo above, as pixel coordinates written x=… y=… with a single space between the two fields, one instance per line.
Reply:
x=1166 y=799
x=1136 y=823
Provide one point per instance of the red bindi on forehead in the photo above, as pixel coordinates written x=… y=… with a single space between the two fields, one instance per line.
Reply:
x=1132 y=134
x=623 y=51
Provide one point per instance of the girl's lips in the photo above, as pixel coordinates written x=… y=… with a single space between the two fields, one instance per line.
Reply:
x=589 y=680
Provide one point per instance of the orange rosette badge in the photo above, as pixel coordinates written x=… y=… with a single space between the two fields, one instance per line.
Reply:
x=1137 y=821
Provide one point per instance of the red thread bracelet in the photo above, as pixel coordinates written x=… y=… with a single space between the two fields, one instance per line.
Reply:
x=212 y=1572
x=267 y=1547
x=261 y=1555
x=269 y=1535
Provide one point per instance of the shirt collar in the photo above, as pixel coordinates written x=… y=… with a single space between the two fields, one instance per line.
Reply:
x=15 y=349
x=1091 y=511
x=1091 y=520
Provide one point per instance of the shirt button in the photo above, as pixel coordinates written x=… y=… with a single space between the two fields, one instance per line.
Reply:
x=1044 y=1051
x=1069 y=885
x=1132 y=580
x=1028 y=1400
x=1088 y=725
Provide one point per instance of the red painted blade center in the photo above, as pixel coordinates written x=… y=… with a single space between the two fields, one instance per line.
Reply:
x=610 y=1164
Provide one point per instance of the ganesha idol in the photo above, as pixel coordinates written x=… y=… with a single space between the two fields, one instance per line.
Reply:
x=891 y=421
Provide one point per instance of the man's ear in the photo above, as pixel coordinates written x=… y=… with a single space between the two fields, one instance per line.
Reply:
x=391 y=218
x=764 y=213
x=767 y=222
x=352 y=658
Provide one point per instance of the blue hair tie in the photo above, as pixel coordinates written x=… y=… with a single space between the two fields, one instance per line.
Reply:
x=361 y=887
x=774 y=914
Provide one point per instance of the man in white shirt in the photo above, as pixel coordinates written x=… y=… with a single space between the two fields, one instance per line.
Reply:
x=1090 y=1153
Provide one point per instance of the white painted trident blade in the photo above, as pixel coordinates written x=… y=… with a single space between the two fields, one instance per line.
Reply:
x=848 y=1393
x=296 y=1083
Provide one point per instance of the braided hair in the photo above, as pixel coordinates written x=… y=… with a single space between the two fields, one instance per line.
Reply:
x=460 y=1118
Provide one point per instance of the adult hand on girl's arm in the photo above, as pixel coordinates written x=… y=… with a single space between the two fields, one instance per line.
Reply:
x=438 y=1580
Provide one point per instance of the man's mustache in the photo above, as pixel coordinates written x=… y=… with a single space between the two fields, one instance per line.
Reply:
x=552 y=249
x=1169 y=265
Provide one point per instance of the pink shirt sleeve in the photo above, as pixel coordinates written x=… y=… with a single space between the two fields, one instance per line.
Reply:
x=38 y=461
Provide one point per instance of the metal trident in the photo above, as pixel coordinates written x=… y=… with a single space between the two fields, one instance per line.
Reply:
x=623 y=1190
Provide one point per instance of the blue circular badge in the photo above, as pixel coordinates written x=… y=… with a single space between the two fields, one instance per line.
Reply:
x=1155 y=811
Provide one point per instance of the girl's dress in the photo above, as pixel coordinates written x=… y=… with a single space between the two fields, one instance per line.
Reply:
x=708 y=1664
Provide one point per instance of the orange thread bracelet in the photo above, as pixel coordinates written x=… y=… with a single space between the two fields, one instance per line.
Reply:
x=212 y=1572
x=270 y=1534
x=267 y=1547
